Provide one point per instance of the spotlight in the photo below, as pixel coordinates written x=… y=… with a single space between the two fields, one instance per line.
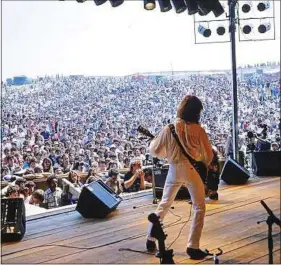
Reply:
x=205 y=32
x=165 y=5
x=264 y=28
x=263 y=6
x=247 y=29
x=99 y=2
x=217 y=8
x=192 y=7
x=221 y=31
x=204 y=6
x=179 y=6
x=149 y=4
x=81 y=1
x=246 y=7
x=115 y=3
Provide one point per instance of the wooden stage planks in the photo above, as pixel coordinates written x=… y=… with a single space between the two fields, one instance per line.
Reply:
x=230 y=224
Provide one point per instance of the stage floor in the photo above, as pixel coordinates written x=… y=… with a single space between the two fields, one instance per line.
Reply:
x=230 y=223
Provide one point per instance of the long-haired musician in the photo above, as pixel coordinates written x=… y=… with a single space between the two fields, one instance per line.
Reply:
x=196 y=143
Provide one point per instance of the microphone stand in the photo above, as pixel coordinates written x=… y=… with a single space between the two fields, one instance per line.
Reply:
x=271 y=219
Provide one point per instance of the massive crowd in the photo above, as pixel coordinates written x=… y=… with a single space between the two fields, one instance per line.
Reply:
x=76 y=124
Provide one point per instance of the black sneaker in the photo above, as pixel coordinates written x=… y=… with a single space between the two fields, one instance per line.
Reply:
x=196 y=253
x=214 y=196
x=150 y=245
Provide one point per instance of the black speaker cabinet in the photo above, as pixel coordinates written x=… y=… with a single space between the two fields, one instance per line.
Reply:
x=160 y=176
x=267 y=163
x=97 y=200
x=13 y=220
x=233 y=173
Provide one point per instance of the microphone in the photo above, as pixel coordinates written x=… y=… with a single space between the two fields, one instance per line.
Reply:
x=271 y=214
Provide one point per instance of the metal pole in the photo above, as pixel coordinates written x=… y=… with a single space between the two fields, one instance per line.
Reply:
x=232 y=20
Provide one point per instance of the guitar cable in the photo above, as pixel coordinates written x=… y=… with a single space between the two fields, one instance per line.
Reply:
x=184 y=224
x=178 y=220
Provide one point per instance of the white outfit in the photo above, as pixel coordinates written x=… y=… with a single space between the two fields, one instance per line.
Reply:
x=181 y=172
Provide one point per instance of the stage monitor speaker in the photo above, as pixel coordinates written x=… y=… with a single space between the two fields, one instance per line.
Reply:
x=267 y=163
x=13 y=220
x=233 y=173
x=160 y=175
x=97 y=200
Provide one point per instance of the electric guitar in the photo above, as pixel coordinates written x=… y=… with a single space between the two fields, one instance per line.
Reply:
x=198 y=165
x=165 y=255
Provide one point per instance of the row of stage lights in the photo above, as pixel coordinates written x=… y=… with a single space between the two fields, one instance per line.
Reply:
x=261 y=6
x=246 y=29
x=203 y=7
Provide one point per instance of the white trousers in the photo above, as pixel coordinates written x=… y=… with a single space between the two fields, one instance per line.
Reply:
x=184 y=174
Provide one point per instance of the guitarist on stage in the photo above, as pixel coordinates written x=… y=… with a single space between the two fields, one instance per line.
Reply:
x=196 y=143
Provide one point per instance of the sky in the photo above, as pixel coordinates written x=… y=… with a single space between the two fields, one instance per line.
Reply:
x=66 y=37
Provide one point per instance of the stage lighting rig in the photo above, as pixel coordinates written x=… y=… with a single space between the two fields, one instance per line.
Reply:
x=149 y=4
x=241 y=18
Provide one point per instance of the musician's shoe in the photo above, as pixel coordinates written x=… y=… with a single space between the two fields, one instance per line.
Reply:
x=214 y=195
x=150 y=245
x=196 y=253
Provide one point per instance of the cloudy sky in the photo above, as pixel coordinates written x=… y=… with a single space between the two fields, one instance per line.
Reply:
x=49 y=37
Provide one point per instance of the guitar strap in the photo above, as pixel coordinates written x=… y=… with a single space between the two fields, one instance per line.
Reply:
x=173 y=131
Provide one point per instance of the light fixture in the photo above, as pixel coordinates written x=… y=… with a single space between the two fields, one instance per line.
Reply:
x=81 y=1
x=115 y=3
x=192 y=7
x=264 y=28
x=99 y=2
x=179 y=6
x=247 y=29
x=246 y=8
x=217 y=8
x=221 y=31
x=165 y=5
x=204 y=31
x=149 y=4
x=263 y=5
x=204 y=7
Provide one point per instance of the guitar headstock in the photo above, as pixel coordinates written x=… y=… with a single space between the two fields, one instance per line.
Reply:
x=145 y=132
x=157 y=231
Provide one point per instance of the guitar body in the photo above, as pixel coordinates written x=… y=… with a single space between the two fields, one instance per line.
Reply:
x=202 y=170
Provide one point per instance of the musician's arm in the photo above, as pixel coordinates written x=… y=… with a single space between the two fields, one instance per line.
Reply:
x=157 y=146
x=206 y=148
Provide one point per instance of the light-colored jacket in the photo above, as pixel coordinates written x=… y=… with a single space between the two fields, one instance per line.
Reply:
x=192 y=137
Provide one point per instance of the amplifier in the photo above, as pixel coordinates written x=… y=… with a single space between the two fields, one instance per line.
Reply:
x=97 y=200
x=160 y=175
